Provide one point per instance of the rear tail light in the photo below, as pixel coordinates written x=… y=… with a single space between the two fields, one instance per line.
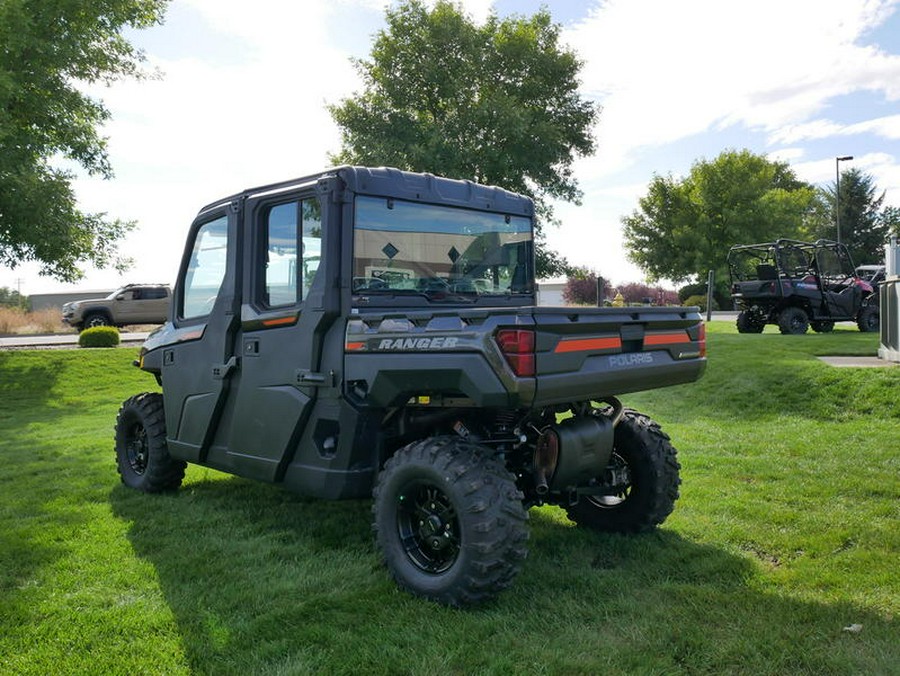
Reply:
x=517 y=346
x=701 y=337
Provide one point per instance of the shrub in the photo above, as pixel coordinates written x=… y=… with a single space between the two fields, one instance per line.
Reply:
x=581 y=289
x=99 y=336
x=700 y=301
x=721 y=293
x=636 y=292
x=690 y=290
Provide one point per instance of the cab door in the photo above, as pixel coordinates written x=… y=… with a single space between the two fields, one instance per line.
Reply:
x=198 y=365
x=126 y=306
x=279 y=341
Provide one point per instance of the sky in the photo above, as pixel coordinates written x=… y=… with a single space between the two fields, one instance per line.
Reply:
x=241 y=93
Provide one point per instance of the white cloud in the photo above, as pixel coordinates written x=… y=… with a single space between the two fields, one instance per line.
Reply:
x=787 y=154
x=668 y=70
x=208 y=128
x=883 y=167
x=887 y=127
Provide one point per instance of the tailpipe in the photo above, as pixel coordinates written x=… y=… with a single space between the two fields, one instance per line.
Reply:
x=546 y=457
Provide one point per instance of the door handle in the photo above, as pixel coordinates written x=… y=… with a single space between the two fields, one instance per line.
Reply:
x=313 y=379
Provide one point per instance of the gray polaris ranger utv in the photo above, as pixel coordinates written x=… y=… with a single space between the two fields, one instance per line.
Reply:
x=372 y=332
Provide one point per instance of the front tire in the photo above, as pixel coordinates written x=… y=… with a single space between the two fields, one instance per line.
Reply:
x=449 y=521
x=95 y=319
x=142 y=456
x=643 y=453
x=869 y=319
x=794 y=321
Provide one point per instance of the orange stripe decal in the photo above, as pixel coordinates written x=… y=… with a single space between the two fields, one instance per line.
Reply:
x=666 y=338
x=354 y=346
x=585 y=344
x=280 y=321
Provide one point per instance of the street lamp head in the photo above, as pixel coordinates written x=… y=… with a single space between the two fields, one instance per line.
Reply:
x=844 y=158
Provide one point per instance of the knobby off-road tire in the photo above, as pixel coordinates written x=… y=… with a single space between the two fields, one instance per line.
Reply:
x=749 y=322
x=793 y=320
x=641 y=446
x=142 y=456
x=869 y=319
x=449 y=521
x=822 y=326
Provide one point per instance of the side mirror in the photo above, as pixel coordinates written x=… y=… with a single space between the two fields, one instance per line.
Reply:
x=121 y=296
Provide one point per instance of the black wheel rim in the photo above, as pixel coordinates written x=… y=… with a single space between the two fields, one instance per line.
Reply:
x=136 y=448
x=428 y=527
x=621 y=470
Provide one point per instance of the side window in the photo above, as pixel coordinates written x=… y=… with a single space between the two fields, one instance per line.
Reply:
x=206 y=269
x=292 y=238
x=312 y=241
x=153 y=293
x=281 y=255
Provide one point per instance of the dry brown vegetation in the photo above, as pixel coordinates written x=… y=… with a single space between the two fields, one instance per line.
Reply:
x=17 y=321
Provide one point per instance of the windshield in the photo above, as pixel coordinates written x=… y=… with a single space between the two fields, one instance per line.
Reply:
x=115 y=293
x=445 y=254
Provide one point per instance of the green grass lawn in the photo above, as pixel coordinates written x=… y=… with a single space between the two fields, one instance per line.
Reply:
x=787 y=531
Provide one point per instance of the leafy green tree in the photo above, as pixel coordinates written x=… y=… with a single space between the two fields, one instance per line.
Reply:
x=865 y=222
x=496 y=103
x=11 y=298
x=684 y=227
x=50 y=49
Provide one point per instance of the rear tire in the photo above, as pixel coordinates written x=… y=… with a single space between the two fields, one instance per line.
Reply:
x=869 y=319
x=449 y=521
x=794 y=321
x=750 y=322
x=142 y=456
x=644 y=450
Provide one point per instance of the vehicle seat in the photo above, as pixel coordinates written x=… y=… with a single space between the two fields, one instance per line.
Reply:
x=766 y=272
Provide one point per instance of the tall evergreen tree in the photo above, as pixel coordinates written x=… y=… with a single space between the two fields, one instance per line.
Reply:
x=864 y=226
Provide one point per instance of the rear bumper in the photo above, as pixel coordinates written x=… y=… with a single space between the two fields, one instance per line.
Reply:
x=609 y=375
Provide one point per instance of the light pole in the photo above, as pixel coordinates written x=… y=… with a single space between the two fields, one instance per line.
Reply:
x=837 y=192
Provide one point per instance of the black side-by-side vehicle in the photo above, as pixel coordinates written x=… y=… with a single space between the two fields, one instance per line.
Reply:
x=795 y=285
x=372 y=332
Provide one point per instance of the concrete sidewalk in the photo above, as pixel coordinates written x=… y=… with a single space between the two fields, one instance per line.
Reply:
x=857 y=362
x=60 y=340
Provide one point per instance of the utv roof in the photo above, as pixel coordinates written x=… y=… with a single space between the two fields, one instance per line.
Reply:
x=405 y=185
x=128 y=286
x=819 y=243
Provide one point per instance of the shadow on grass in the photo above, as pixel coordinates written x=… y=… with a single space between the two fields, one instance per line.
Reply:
x=262 y=581
x=25 y=386
x=30 y=476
